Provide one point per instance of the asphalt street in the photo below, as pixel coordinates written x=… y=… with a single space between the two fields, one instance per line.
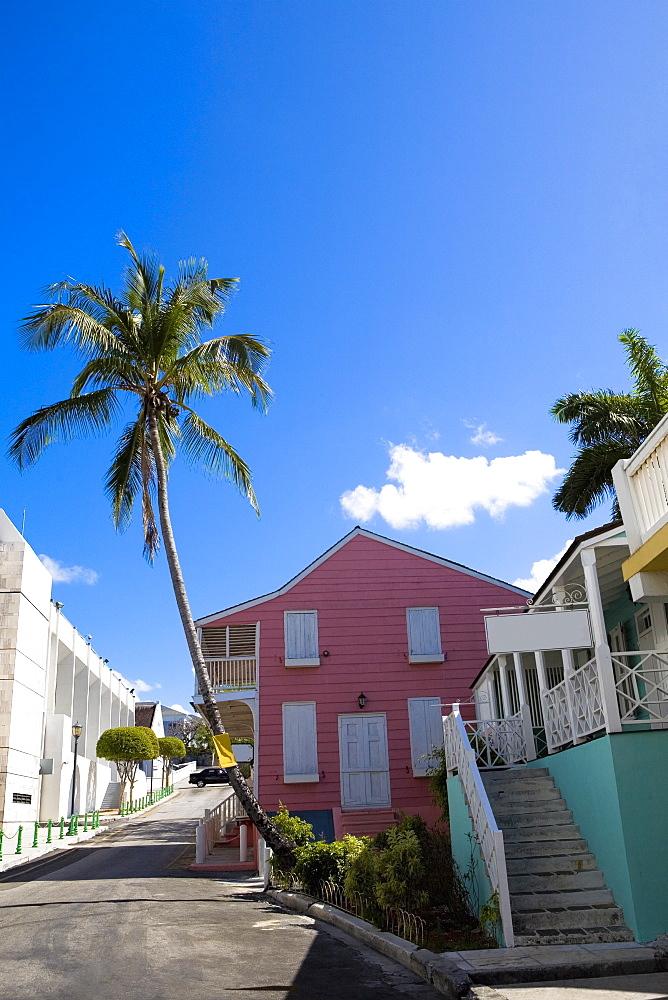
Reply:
x=122 y=918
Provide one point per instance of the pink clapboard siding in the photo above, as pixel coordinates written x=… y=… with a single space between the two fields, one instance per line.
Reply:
x=361 y=592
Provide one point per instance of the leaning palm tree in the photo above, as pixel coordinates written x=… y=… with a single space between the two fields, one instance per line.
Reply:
x=145 y=347
x=608 y=426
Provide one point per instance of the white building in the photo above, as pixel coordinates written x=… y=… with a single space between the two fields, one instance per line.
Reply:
x=50 y=678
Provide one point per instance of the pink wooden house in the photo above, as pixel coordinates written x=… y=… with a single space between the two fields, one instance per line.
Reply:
x=340 y=675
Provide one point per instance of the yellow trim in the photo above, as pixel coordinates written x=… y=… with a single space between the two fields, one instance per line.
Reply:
x=652 y=556
x=224 y=751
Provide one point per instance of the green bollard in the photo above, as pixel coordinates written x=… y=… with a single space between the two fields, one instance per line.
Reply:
x=48 y=831
x=35 y=839
x=74 y=823
x=85 y=829
x=19 y=838
x=62 y=828
x=1 y=836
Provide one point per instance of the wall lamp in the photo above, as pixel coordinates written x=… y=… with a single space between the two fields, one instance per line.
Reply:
x=361 y=699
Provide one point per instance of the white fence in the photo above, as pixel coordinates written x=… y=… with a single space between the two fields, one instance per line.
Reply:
x=234 y=674
x=461 y=757
x=212 y=828
x=573 y=710
x=501 y=742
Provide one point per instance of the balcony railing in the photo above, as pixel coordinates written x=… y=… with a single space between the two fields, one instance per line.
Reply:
x=232 y=674
x=647 y=472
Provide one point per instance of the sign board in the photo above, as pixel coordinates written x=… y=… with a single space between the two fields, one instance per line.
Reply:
x=524 y=633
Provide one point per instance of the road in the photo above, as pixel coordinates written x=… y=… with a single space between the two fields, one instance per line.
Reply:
x=122 y=918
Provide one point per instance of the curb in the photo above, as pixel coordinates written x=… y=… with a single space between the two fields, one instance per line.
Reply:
x=443 y=975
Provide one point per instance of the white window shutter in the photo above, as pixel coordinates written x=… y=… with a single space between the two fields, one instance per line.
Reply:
x=424 y=632
x=301 y=635
x=300 y=742
x=426 y=731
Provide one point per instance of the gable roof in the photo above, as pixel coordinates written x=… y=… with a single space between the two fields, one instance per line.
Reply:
x=144 y=713
x=429 y=556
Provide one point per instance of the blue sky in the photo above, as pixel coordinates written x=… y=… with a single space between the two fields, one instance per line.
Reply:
x=442 y=215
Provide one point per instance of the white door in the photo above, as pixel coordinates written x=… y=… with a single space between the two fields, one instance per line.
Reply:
x=365 y=774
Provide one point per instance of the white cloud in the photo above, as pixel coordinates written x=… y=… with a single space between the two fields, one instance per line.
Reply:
x=141 y=687
x=540 y=571
x=443 y=491
x=69 y=574
x=482 y=436
x=179 y=708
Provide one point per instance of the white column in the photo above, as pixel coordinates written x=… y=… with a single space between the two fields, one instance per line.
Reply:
x=503 y=677
x=519 y=677
x=606 y=677
x=569 y=670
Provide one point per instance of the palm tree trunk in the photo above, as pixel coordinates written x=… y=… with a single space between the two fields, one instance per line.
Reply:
x=280 y=845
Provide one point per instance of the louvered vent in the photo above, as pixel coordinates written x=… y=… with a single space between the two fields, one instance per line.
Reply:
x=229 y=641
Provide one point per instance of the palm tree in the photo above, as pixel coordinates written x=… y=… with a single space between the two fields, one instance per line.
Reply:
x=146 y=347
x=608 y=426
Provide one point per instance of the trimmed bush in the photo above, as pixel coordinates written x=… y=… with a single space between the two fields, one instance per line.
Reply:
x=323 y=862
x=153 y=742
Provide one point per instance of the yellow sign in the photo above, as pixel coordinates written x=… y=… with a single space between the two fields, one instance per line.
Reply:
x=224 y=751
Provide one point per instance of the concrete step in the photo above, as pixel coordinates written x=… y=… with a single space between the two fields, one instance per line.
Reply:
x=532 y=834
x=567 y=864
x=544 y=848
x=517 y=795
x=523 y=901
x=367 y=822
x=556 y=881
x=497 y=785
x=599 y=935
x=587 y=918
x=516 y=821
x=514 y=774
x=521 y=807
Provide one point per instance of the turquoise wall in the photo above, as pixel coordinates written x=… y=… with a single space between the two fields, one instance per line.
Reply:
x=616 y=789
x=622 y=611
x=465 y=848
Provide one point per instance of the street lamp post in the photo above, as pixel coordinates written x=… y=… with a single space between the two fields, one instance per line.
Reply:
x=76 y=733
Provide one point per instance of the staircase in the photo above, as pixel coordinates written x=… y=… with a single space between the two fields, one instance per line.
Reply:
x=557 y=894
x=367 y=822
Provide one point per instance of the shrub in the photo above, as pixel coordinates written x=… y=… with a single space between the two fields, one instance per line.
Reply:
x=152 y=741
x=401 y=872
x=322 y=862
x=293 y=827
x=438 y=782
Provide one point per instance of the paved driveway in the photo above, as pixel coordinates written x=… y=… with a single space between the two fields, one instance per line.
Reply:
x=122 y=918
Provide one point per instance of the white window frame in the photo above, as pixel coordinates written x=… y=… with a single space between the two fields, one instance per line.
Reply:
x=424 y=657
x=292 y=661
x=290 y=779
x=419 y=763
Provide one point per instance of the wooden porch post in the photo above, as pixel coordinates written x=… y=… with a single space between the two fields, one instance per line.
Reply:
x=606 y=677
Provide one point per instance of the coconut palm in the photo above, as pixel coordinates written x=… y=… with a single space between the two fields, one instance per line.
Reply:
x=608 y=426
x=145 y=348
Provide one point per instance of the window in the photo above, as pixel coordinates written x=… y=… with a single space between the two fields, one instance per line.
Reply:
x=424 y=635
x=426 y=729
x=22 y=798
x=301 y=639
x=300 y=742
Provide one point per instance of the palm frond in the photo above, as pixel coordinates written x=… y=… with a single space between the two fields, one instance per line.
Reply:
x=60 y=323
x=123 y=480
x=648 y=370
x=232 y=363
x=601 y=414
x=204 y=446
x=91 y=413
x=115 y=367
x=588 y=482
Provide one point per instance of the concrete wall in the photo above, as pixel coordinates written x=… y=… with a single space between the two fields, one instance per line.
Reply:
x=465 y=849
x=361 y=593
x=616 y=788
x=50 y=677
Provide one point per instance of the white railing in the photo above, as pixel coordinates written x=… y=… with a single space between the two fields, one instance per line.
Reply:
x=233 y=674
x=212 y=828
x=461 y=757
x=573 y=708
x=501 y=742
x=641 y=682
x=647 y=473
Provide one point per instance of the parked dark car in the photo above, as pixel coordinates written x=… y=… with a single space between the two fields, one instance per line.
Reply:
x=209 y=776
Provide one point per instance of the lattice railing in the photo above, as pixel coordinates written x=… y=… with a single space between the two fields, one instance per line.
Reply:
x=499 y=742
x=641 y=682
x=573 y=709
x=461 y=758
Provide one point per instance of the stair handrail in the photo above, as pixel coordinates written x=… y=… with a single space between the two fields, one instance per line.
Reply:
x=461 y=759
x=210 y=828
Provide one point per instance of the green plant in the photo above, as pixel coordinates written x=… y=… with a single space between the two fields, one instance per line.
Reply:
x=401 y=872
x=438 y=781
x=323 y=862
x=153 y=740
x=126 y=746
x=171 y=748
x=490 y=915
x=297 y=831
